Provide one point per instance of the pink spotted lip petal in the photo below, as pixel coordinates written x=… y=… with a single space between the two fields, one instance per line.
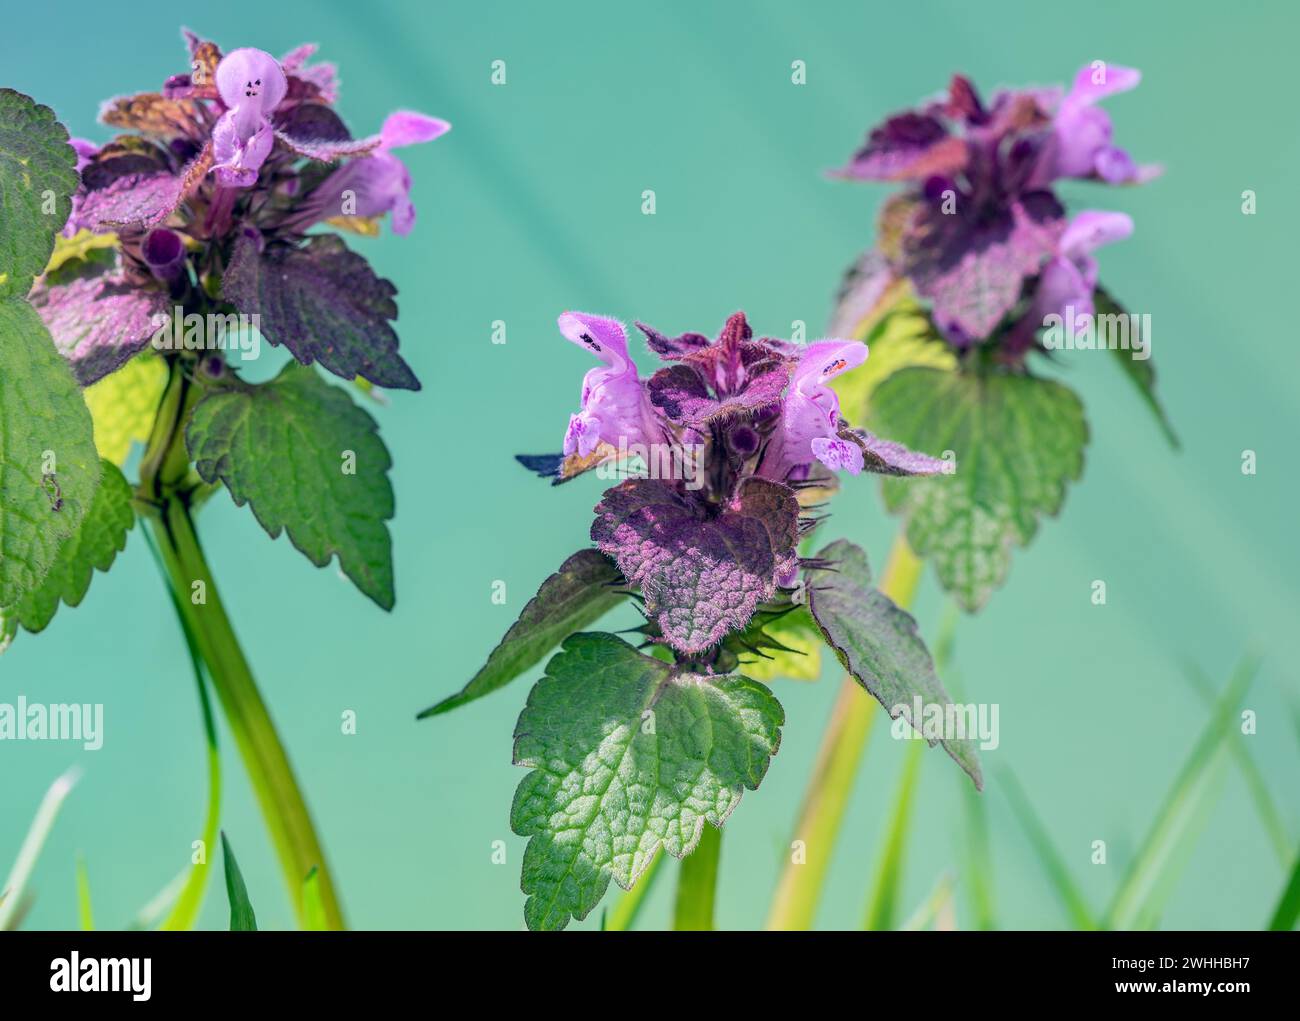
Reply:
x=251 y=84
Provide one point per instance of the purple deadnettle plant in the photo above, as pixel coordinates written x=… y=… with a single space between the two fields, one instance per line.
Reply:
x=138 y=276
x=730 y=451
x=977 y=278
x=978 y=268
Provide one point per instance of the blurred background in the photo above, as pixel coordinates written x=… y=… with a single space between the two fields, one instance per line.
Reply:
x=532 y=205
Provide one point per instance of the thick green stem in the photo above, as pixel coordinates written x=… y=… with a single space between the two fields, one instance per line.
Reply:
x=268 y=767
x=165 y=493
x=697 y=884
x=826 y=799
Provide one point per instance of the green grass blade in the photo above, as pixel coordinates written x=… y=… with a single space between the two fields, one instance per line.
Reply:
x=933 y=907
x=1054 y=867
x=1288 y=907
x=1283 y=846
x=12 y=893
x=313 y=907
x=698 y=883
x=625 y=912
x=85 y=913
x=978 y=873
x=152 y=913
x=1155 y=868
x=242 y=918
x=882 y=902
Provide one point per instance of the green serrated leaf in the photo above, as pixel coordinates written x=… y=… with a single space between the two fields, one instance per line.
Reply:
x=627 y=755
x=901 y=338
x=38 y=174
x=571 y=599
x=628 y=908
x=48 y=466
x=878 y=644
x=242 y=917
x=1018 y=441
x=1140 y=371
x=100 y=538
x=310 y=462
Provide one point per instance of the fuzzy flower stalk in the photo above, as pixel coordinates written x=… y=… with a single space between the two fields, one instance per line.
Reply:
x=728 y=454
x=208 y=223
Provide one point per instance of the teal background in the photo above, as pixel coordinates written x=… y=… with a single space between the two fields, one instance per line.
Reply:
x=532 y=205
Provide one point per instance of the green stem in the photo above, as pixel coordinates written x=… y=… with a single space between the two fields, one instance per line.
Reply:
x=268 y=767
x=164 y=491
x=185 y=910
x=826 y=799
x=697 y=884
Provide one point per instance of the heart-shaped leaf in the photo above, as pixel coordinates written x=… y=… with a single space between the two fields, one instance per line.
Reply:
x=627 y=756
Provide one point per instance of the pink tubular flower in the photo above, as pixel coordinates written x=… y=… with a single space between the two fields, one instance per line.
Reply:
x=811 y=417
x=375 y=184
x=1082 y=131
x=614 y=409
x=251 y=84
x=1069 y=279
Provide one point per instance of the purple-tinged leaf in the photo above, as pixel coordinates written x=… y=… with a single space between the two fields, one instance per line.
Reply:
x=670 y=348
x=577 y=595
x=140 y=200
x=99 y=322
x=205 y=57
x=315 y=131
x=885 y=457
x=324 y=303
x=973 y=263
x=908 y=146
x=320 y=79
x=702 y=573
x=877 y=643
x=313 y=121
x=128 y=156
x=680 y=393
x=152 y=113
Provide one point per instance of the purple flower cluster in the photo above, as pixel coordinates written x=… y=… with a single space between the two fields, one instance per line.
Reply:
x=242 y=146
x=978 y=231
x=736 y=435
